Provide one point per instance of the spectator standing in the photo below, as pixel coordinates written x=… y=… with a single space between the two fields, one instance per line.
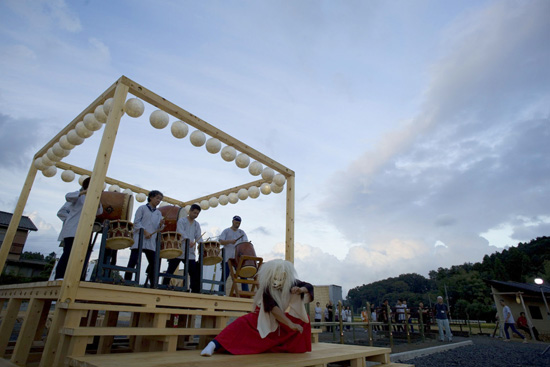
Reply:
x=442 y=316
x=318 y=312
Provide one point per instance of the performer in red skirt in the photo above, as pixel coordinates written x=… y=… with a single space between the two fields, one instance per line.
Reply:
x=279 y=322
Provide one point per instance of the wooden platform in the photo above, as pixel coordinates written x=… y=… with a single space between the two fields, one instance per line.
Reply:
x=321 y=355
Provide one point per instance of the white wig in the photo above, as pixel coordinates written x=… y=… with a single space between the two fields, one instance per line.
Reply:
x=276 y=269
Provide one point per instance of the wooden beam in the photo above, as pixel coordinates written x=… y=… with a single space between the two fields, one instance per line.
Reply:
x=90 y=109
x=124 y=185
x=289 y=240
x=16 y=217
x=179 y=113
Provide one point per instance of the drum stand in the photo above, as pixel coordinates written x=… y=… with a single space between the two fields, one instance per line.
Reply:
x=220 y=283
x=107 y=261
x=166 y=275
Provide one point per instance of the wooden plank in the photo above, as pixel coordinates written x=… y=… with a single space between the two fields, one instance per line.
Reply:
x=159 y=310
x=28 y=331
x=87 y=217
x=8 y=321
x=321 y=355
x=141 y=331
x=16 y=216
x=178 y=112
x=289 y=239
x=106 y=341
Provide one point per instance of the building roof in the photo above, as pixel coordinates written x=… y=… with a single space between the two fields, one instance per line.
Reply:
x=25 y=223
x=516 y=287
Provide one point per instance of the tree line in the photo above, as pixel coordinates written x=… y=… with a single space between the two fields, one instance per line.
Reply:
x=468 y=294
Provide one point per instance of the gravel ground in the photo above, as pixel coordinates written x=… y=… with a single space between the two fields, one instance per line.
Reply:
x=485 y=351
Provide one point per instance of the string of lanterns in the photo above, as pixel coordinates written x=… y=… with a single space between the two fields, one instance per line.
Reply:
x=159 y=119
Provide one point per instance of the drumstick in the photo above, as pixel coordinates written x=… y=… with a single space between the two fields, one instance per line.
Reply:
x=199 y=237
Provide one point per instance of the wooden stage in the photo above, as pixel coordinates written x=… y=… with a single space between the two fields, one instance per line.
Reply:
x=321 y=355
x=161 y=329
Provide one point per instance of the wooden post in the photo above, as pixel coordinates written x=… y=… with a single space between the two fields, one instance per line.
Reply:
x=16 y=217
x=71 y=281
x=407 y=318
x=421 y=323
x=28 y=331
x=388 y=310
x=369 y=313
x=289 y=253
x=340 y=317
x=529 y=323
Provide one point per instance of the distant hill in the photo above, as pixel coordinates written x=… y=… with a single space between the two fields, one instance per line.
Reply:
x=469 y=296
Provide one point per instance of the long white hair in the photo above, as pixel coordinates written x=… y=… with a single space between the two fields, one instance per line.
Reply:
x=271 y=270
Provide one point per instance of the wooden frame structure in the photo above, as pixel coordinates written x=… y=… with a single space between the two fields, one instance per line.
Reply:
x=68 y=292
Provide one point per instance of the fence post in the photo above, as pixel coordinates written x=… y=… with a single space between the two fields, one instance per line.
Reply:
x=390 y=330
x=340 y=317
x=407 y=319
x=369 y=325
x=421 y=323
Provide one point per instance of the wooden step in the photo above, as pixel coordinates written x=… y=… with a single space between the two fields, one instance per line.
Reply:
x=321 y=355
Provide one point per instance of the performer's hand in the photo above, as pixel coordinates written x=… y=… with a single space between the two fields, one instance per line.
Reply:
x=295 y=290
x=296 y=327
x=146 y=234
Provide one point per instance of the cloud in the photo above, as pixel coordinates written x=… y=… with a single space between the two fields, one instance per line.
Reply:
x=472 y=158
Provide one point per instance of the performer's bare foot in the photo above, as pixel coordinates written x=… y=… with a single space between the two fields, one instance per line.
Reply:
x=209 y=350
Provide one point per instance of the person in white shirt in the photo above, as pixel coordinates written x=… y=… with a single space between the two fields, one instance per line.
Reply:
x=509 y=322
x=75 y=203
x=190 y=229
x=151 y=220
x=229 y=239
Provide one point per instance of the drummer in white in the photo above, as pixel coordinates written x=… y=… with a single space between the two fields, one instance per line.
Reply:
x=151 y=220
x=190 y=229
x=229 y=239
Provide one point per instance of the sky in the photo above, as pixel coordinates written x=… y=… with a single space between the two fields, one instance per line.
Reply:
x=418 y=130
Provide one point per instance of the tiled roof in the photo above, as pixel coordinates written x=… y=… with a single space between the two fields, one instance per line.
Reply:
x=515 y=286
x=25 y=223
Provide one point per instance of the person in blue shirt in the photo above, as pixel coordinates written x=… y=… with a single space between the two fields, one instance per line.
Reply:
x=442 y=318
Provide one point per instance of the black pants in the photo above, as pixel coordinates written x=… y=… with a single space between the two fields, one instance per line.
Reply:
x=132 y=262
x=64 y=259
x=194 y=273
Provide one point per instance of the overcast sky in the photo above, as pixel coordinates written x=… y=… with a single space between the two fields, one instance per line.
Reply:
x=418 y=130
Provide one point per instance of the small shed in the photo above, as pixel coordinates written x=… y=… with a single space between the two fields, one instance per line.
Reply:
x=532 y=299
x=25 y=225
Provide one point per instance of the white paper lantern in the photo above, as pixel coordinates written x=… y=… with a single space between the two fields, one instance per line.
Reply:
x=233 y=198
x=223 y=200
x=73 y=138
x=38 y=164
x=100 y=115
x=134 y=107
x=265 y=188
x=52 y=156
x=83 y=131
x=58 y=151
x=159 y=119
x=242 y=194
x=205 y=205
x=50 y=171
x=104 y=186
x=47 y=161
x=213 y=202
x=127 y=192
x=276 y=188
x=114 y=188
x=91 y=122
x=179 y=129
x=82 y=178
x=255 y=168
x=267 y=174
x=141 y=197
x=64 y=143
x=228 y=153
x=163 y=203
x=67 y=175
x=213 y=145
x=197 y=138
x=187 y=208
x=254 y=192
x=108 y=106
x=279 y=179
x=242 y=160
